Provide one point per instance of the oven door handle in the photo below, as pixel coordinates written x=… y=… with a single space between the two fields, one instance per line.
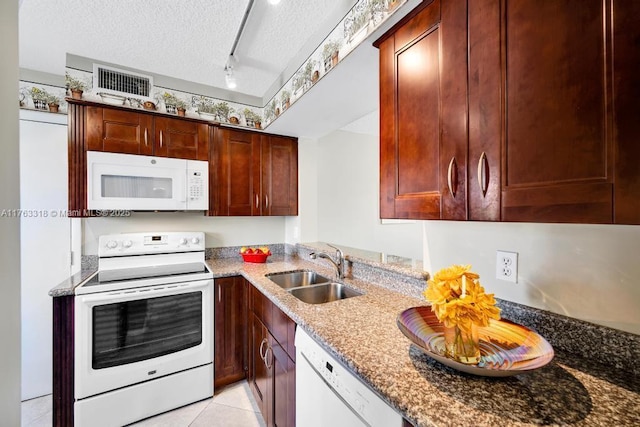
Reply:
x=145 y=292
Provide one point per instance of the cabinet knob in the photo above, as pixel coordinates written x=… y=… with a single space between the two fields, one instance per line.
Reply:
x=160 y=138
x=146 y=137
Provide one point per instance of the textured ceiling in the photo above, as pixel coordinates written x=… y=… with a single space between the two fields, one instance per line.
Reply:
x=188 y=39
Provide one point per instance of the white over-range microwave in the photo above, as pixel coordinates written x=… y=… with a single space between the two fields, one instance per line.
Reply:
x=146 y=183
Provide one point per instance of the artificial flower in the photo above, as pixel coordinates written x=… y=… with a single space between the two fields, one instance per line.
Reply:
x=445 y=293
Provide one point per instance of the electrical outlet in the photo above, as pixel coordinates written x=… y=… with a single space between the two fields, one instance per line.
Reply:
x=507 y=266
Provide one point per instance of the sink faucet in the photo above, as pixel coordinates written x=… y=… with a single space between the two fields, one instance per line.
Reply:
x=338 y=264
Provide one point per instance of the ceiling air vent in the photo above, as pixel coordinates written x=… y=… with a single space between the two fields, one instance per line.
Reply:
x=121 y=82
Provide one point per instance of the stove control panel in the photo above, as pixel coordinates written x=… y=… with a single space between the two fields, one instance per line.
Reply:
x=126 y=244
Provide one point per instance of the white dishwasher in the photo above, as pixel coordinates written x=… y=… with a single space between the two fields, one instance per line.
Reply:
x=329 y=395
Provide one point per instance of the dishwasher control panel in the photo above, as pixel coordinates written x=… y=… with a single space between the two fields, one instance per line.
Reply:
x=361 y=398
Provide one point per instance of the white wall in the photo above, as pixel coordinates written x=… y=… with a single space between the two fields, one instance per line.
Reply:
x=304 y=227
x=347 y=201
x=584 y=271
x=9 y=227
x=589 y=272
x=219 y=231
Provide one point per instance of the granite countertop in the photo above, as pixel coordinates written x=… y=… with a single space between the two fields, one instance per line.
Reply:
x=362 y=333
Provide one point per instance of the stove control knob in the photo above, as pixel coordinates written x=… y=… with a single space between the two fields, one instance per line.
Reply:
x=183 y=241
x=127 y=243
x=112 y=244
x=195 y=240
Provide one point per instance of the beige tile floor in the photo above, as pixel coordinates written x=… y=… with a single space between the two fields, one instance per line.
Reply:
x=232 y=406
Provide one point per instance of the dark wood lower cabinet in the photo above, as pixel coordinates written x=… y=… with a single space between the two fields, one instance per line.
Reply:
x=258 y=372
x=230 y=331
x=63 y=361
x=272 y=366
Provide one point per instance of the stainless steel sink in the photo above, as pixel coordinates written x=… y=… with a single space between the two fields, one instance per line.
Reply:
x=325 y=292
x=296 y=279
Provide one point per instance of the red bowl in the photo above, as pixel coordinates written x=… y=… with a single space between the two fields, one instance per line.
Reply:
x=257 y=258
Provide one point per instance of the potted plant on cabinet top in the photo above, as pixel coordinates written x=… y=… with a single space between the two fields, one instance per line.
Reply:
x=76 y=86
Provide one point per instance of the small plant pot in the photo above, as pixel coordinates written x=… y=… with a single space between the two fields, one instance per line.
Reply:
x=39 y=104
x=76 y=94
x=315 y=76
x=286 y=105
x=234 y=120
x=258 y=125
x=53 y=108
x=277 y=111
x=181 y=111
x=334 y=58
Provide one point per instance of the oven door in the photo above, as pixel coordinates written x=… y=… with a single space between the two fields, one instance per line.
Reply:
x=134 y=335
x=132 y=182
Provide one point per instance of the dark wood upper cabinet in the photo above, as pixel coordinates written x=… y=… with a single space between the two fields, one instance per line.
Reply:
x=237 y=155
x=279 y=157
x=256 y=174
x=500 y=110
x=119 y=131
x=552 y=127
x=230 y=331
x=423 y=133
x=181 y=139
x=131 y=132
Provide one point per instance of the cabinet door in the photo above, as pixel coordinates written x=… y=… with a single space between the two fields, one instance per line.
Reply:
x=181 y=139
x=259 y=378
x=626 y=95
x=119 y=131
x=423 y=114
x=279 y=175
x=238 y=155
x=541 y=100
x=230 y=330
x=282 y=370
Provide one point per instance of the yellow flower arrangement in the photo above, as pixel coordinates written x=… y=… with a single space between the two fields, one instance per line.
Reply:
x=458 y=299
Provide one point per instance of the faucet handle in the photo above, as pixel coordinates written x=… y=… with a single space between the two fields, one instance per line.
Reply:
x=339 y=253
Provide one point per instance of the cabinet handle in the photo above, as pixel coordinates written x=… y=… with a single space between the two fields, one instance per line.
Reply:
x=266 y=201
x=266 y=359
x=160 y=138
x=262 y=356
x=452 y=177
x=483 y=176
x=219 y=293
x=257 y=201
x=146 y=138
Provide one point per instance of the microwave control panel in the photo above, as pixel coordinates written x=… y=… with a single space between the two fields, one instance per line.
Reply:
x=197 y=185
